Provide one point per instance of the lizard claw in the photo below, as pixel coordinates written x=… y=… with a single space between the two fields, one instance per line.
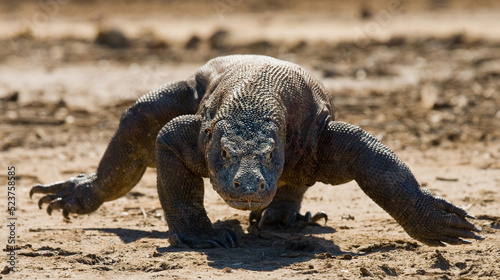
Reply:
x=306 y=219
x=266 y=219
x=276 y=216
x=76 y=195
x=255 y=216
x=232 y=238
x=220 y=238
x=293 y=219
x=320 y=215
x=437 y=222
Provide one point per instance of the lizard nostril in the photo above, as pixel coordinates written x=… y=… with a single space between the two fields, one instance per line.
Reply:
x=262 y=185
x=236 y=184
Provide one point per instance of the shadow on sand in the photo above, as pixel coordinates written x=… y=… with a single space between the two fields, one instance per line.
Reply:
x=265 y=250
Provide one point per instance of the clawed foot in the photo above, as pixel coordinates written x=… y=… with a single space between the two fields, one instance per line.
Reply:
x=218 y=238
x=76 y=195
x=294 y=219
x=437 y=221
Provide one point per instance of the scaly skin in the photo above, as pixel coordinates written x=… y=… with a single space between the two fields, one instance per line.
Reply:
x=263 y=131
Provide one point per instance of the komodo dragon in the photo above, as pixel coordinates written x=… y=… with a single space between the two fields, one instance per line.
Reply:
x=263 y=131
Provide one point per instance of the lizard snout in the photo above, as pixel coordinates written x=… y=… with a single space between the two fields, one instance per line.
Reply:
x=249 y=190
x=249 y=181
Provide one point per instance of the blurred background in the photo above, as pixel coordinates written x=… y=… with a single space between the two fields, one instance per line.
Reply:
x=413 y=73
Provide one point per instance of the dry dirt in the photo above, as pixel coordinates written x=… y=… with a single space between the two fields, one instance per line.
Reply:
x=424 y=77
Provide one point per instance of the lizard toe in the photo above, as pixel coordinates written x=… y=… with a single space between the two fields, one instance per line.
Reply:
x=46 y=199
x=47 y=189
x=282 y=217
x=436 y=222
x=231 y=238
x=255 y=216
x=318 y=216
x=461 y=233
x=299 y=220
x=432 y=242
x=268 y=218
x=56 y=204
x=454 y=240
x=76 y=195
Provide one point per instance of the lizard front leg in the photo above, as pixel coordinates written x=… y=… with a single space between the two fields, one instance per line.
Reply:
x=180 y=167
x=284 y=209
x=129 y=153
x=346 y=152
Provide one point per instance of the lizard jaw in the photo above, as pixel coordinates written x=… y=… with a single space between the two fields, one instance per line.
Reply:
x=247 y=204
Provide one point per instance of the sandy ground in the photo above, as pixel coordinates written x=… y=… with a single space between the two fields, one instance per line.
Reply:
x=424 y=77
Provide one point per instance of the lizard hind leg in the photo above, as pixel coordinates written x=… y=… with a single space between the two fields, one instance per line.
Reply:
x=284 y=210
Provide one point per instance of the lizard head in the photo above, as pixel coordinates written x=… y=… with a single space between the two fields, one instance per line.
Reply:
x=245 y=161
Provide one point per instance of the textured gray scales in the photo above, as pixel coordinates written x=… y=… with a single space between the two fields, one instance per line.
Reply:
x=263 y=131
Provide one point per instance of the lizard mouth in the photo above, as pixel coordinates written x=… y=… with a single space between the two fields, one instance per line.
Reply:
x=248 y=204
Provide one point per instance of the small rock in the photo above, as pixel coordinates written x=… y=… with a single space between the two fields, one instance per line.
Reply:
x=429 y=95
x=421 y=271
x=365 y=13
x=389 y=270
x=193 y=43
x=298 y=47
x=346 y=257
x=218 y=40
x=347 y=217
x=156 y=44
x=365 y=272
x=227 y=270
x=396 y=41
x=10 y=97
x=6 y=270
x=440 y=261
x=112 y=38
x=461 y=265
x=260 y=45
